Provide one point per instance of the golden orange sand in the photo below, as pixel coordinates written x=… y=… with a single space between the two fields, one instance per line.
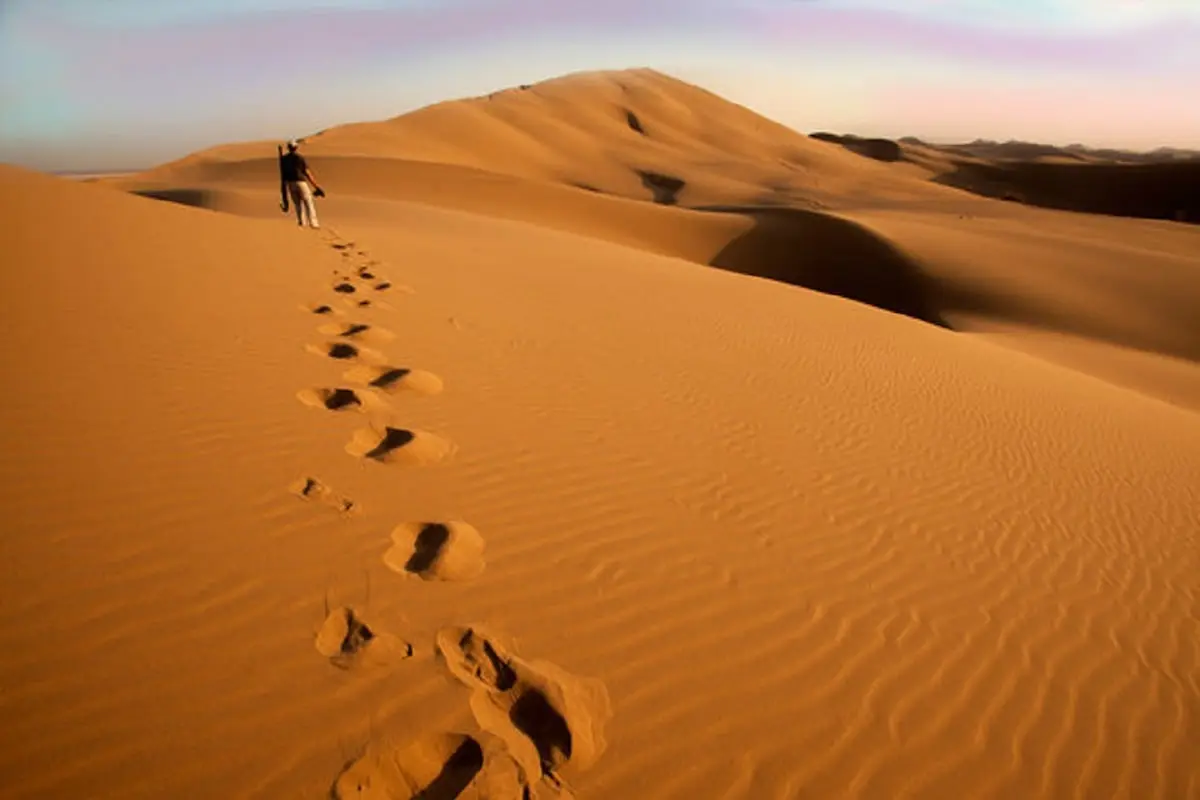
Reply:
x=825 y=481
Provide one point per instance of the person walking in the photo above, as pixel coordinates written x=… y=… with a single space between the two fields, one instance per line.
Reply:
x=297 y=182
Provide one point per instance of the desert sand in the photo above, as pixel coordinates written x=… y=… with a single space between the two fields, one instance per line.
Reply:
x=607 y=441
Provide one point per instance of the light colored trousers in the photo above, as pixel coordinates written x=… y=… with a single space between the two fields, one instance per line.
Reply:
x=302 y=199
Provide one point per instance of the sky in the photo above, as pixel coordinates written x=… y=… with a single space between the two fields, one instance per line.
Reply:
x=122 y=84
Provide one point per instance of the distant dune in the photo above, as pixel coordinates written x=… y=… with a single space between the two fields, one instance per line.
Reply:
x=1168 y=191
x=1163 y=184
x=1026 y=151
x=607 y=441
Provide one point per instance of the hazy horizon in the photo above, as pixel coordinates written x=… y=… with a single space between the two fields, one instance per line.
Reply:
x=89 y=87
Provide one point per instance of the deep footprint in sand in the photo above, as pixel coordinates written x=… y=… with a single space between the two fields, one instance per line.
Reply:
x=340 y=399
x=437 y=766
x=475 y=659
x=396 y=379
x=322 y=308
x=309 y=488
x=398 y=445
x=345 y=351
x=436 y=551
x=547 y=717
x=389 y=287
x=345 y=288
x=359 y=332
x=348 y=642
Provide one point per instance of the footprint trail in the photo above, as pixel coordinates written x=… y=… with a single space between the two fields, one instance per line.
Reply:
x=534 y=718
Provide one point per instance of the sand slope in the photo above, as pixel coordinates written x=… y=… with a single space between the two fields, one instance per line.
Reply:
x=563 y=507
x=634 y=134
x=1111 y=297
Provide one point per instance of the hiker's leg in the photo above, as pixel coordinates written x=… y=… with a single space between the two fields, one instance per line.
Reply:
x=310 y=204
x=297 y=201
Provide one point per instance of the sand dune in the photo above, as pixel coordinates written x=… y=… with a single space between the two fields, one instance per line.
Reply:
x=1157 y=191
x=861 y=486
x=963 y=262
x=617 y=133
x=941 y=255
x=1158 y=185
x=1015 y=150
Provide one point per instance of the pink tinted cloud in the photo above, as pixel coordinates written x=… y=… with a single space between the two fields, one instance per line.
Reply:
x=322 y=37
x=1141 y=47
x=263 y=48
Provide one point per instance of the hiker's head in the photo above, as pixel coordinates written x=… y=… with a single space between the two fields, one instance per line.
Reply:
x=292 y=145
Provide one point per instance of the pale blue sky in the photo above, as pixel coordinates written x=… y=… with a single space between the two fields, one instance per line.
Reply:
x=109 y=84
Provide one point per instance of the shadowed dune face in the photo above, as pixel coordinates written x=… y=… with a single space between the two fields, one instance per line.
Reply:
x=1154 y=191
x=831 y=255
x=255 y=170
x=196 y=198
x=878 y=149
x=240 y=197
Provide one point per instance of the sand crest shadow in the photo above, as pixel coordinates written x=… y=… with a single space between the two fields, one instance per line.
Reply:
x=830 y=255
